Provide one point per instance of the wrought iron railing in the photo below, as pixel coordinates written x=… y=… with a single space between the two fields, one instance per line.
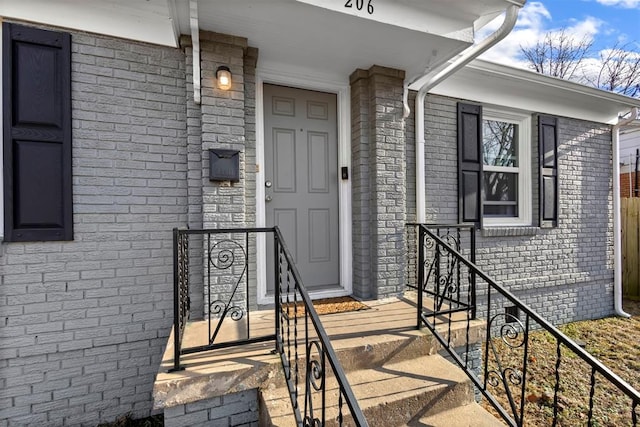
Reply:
x=458 y=289
x=318 y=387
x=441 y=275
x=221 y=258
x=306 y=351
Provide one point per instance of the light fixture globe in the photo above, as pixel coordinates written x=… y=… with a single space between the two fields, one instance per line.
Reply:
x=223 y=75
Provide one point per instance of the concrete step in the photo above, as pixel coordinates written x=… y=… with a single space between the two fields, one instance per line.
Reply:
x=367 y=351
x=470 y=415
x=383 y=333
x=390 y=341
x=390 y=395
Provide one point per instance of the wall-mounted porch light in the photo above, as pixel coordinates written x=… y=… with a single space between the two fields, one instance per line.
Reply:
x=223 y=75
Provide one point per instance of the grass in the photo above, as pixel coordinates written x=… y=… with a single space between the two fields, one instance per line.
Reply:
x=614 y=341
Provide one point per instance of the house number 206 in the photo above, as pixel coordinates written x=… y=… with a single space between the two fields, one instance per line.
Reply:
x=359 y=4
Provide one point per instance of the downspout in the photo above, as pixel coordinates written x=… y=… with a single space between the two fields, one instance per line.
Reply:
x=636 y=186
x=195 y=43
x=617 y=223
x=465 y=57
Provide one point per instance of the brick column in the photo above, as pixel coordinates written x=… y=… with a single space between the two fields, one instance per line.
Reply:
x=223 y=126
x=379 y=192
x=227 y=121
x=360 y=183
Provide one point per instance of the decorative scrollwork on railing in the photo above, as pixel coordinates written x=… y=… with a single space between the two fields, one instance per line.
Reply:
x=513 y=334
x=315 y=366
x=223 y=255
x=451 y=237
x=430 y=269
x=315 y=381
x=429 y=243
x=442 y=278
x=448 y=284
x=219 y=308
x=513 y=375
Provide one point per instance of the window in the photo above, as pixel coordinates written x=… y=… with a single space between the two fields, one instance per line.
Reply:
x=506 y=168
x=494 y=166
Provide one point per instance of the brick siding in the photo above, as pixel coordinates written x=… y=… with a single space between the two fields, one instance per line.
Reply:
x=565 y=273
x=233 y=409
x=84 y=323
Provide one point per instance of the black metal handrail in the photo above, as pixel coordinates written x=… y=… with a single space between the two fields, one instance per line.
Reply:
x=224 y=259
x=456 y=276
x=318 y=349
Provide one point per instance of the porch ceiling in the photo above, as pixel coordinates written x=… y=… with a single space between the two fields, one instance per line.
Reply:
x=326 y=38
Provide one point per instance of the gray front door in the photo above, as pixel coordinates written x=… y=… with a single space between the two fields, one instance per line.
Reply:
x=301 y=180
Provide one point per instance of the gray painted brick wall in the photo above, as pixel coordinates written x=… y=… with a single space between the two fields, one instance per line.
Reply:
x=223 y=126
x=360 y=187
x=84 y=323
x=378 y=147
x=564 y=273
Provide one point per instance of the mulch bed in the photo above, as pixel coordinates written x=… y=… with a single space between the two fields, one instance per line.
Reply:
x=127 y=421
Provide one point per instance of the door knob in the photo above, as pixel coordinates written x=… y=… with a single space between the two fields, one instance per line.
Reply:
x=268 y=198
x=268 y=184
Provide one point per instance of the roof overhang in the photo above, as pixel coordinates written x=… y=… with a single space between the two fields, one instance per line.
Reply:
x=149 y=21
x=632 y=132
x=327 y=38
x=496 y=84
x=323 y=36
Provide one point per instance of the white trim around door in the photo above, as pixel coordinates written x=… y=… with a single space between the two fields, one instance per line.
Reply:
x=342 y=90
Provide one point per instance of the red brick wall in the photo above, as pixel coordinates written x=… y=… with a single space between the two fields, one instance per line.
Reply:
x=626 y=190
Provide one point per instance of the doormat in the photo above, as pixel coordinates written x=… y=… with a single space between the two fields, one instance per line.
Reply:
x=328 y=306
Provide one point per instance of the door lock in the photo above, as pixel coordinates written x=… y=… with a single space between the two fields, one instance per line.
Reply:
x=268 y=184
x=268 y=198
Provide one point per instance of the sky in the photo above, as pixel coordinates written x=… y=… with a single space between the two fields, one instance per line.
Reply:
x=605 y=22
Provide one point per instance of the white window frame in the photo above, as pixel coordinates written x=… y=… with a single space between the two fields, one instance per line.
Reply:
x=525 y=192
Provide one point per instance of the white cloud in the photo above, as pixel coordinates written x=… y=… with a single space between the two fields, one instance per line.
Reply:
x=533 y=24
x=627 y=4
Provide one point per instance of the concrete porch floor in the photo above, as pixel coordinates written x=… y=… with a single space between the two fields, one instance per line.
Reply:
x=387 y=325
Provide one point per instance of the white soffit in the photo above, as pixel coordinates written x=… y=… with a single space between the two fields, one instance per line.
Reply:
x=291 y=33
x=495 y=84
x=143 y=20
x=449 y=18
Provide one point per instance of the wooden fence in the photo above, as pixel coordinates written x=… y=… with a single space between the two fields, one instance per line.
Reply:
x=631 y=247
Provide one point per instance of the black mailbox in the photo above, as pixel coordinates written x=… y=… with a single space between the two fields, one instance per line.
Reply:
x=224 y=165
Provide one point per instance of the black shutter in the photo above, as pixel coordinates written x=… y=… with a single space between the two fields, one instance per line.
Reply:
x=548 y=149
x=470 y=163
x=36 y=103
